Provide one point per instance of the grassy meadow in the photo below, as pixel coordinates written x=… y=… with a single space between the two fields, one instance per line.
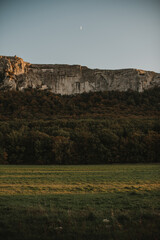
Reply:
x=80 y=202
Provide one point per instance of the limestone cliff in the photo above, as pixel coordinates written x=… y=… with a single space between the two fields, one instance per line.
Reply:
x=70 y=79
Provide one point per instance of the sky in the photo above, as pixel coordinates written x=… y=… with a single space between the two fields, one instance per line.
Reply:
x=105 y=34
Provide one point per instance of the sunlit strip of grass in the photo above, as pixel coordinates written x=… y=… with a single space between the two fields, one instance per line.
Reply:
x=13 y=189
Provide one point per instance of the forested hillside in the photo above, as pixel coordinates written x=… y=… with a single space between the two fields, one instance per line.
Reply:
x=38 y=127
x=33 y=104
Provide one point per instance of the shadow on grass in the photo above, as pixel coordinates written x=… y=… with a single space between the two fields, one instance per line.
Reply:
x=80 y=216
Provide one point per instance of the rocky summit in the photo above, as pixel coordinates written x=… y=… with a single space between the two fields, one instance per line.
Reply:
x=16 y=74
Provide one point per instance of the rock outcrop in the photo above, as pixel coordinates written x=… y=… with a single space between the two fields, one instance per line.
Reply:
x=15 y=74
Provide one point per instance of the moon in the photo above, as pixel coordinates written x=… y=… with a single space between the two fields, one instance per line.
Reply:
x=81 y=28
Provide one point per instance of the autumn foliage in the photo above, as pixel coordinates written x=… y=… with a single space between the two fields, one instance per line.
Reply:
x=39 y=127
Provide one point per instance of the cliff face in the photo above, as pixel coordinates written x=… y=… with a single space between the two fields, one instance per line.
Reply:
x=70 y=79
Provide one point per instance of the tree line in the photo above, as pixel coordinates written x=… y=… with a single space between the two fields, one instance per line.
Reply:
x=34 y=104
x=80 y=141
x=39 y=127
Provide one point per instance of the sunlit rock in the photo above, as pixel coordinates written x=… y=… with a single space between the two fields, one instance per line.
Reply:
x=15 y=74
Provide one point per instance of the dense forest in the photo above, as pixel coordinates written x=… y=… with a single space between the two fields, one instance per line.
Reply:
x=39 y=127
x=33 y=104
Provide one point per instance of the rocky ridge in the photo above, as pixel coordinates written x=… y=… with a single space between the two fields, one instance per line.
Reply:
x=16 y=74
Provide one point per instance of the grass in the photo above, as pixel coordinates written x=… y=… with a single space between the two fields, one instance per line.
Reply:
x=80 y=202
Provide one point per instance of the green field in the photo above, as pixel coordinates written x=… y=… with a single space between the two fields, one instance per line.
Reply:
x=80 y=202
